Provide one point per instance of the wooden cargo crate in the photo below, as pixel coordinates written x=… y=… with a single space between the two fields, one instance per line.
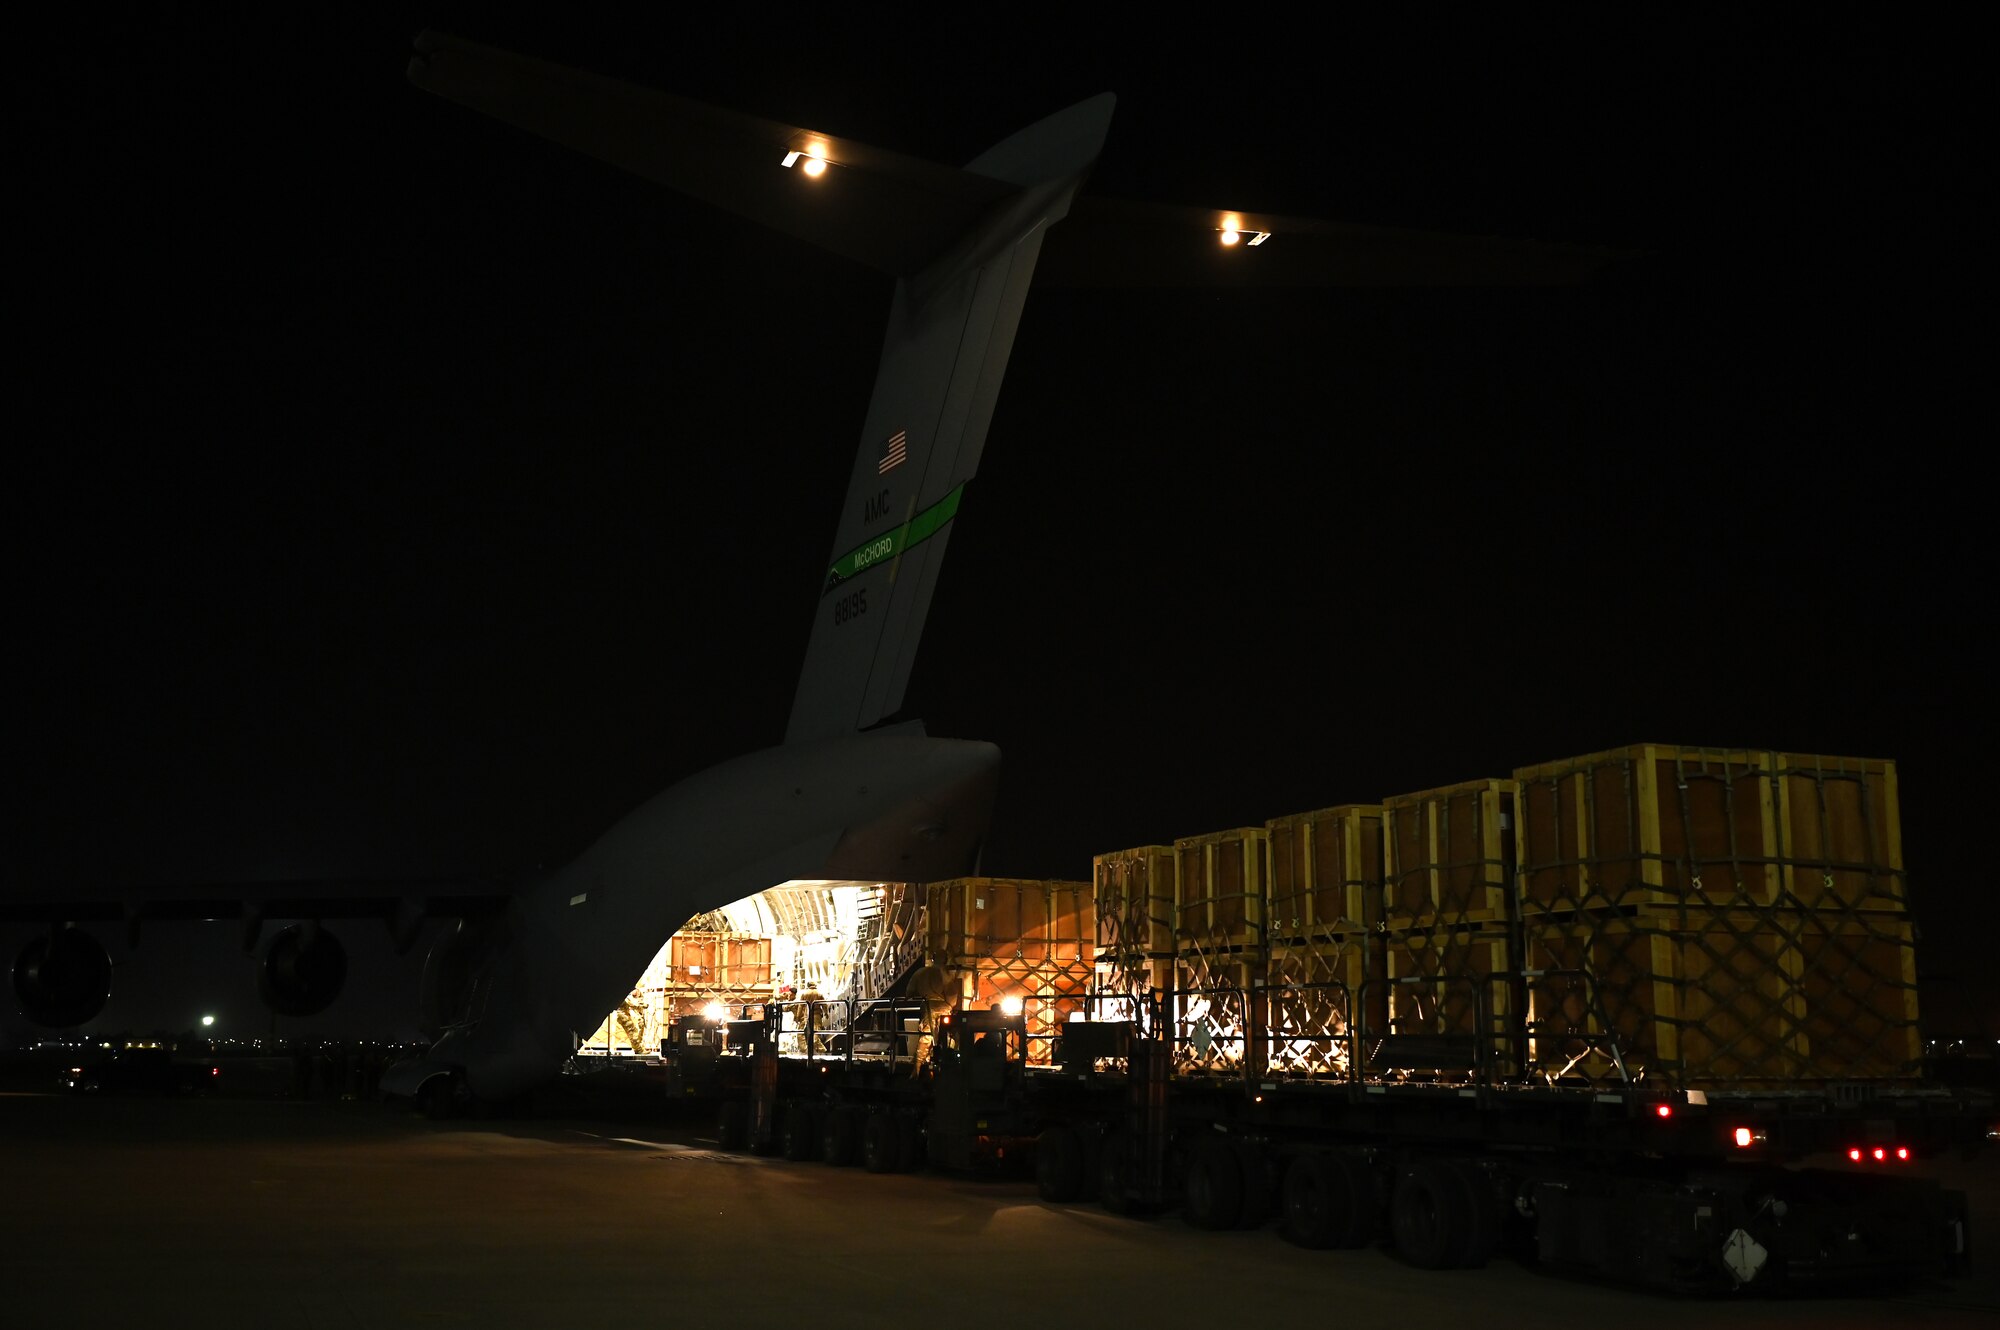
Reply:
x=1648 y=826
x=1448 y=855
x=1842 y=831
x=986 y=918
x=718 y=961
x=1134 y=891
x=1723 y=999
x=1450 y=982
x=1219 y=889
x=1325 y=871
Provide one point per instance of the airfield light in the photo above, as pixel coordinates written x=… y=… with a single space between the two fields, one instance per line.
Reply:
x=716 y=1012
x=1854 y=1153
x=1880 y=1154
x=1011 y=1004
x=1903 y=1152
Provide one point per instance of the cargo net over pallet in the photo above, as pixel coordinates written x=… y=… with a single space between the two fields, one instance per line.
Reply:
x=1247 y=985
x=1726 y=999
x=1718 y=917
x=1133 y=894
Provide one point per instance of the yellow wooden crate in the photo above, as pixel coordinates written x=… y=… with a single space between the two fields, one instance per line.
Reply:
x=1018 y=918
x=1325 y=871
x=1448 y=855
x=1134 y=896
x=1648 y=826
x=1722 y=999
x=1219 y=889
x=1840 y=823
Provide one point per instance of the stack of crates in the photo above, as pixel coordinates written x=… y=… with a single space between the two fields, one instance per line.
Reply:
x=1323 y=904
x=1448 y=887
x=1134 y=896
x=1219 y=945
x=1721 y=918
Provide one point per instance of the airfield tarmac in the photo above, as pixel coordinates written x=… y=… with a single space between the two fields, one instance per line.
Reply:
x=321 y=1214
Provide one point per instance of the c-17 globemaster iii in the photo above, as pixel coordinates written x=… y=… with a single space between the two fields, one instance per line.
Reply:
x=852 y=793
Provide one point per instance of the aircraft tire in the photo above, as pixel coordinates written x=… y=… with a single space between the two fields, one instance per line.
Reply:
x=438 y=1097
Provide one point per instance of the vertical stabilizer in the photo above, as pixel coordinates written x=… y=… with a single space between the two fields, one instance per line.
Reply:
x=950 y=331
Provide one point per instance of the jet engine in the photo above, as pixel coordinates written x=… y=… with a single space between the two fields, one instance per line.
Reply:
x=62 y=978
x=302 y=971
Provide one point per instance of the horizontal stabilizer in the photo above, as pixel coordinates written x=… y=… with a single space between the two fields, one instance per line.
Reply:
x=893 y=213
x=1120 y=243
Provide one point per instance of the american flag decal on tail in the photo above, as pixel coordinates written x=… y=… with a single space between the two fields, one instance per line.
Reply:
x=895 y=450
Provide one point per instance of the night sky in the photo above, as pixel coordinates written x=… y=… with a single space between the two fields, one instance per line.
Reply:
x=394 y=493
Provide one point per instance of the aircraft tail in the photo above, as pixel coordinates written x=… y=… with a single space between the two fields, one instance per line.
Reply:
x=962 y=245
x=951 y=328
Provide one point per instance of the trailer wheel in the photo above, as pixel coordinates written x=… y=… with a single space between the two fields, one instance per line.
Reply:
x=1430 y=1215
x=1482 y=1232
x=1326 y=1201
x=911 y=1148
x=1114 y=1176
x=800 y=1130
x=1259 y=1189
x=840 y=1135
x=880 y=1147
x=732 y=1124
x=1213 y=1191
x=1059 y=1164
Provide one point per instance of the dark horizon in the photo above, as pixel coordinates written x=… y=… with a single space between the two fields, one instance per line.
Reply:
x=412 y=496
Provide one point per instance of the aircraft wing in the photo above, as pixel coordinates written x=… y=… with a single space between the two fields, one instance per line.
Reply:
x=1122 y=243
x=880 y=208
x=402 y=903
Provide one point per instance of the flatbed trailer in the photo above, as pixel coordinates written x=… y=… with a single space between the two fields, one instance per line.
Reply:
x=1673 y=1188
